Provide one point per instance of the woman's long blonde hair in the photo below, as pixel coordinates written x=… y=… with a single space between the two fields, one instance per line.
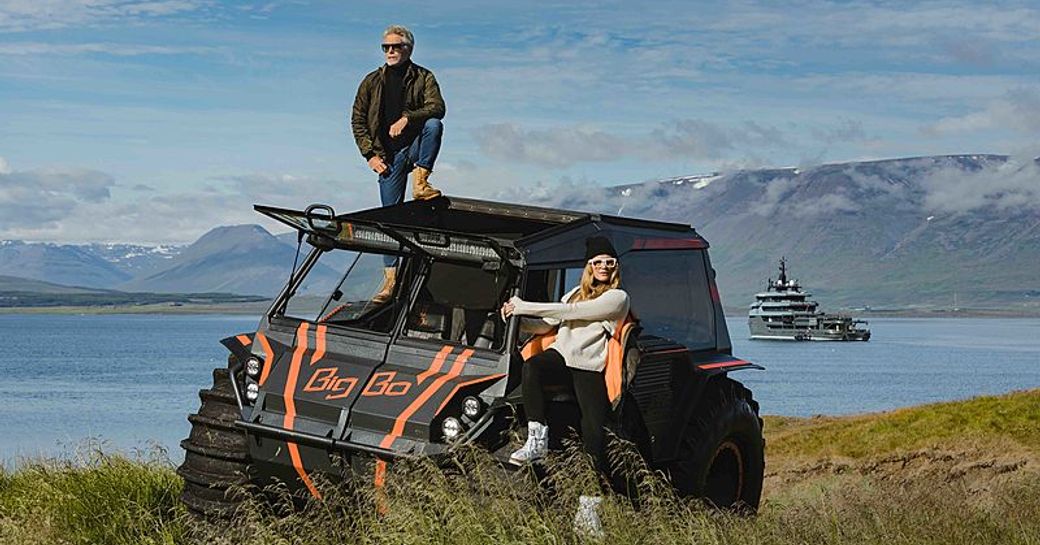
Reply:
x=590 y=289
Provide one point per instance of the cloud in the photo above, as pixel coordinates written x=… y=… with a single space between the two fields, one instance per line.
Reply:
x=978 y=52
x=1018 y=109
x=702 y=139
x=563 y=146
x=845 y=130
x=22 y=15
x=117 y=50
x=40 y=198
x=555 y=147
x=79 y=205
x=4 y=167
x=1003 y=186
x=775 y=192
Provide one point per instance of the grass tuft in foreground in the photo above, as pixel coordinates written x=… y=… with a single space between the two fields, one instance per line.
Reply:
x=855 y=480
x=95 y=498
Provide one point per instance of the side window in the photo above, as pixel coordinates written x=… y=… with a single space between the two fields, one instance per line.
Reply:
x=459 y=303
x=571 y=279
x=670 y=295
x=548 y=286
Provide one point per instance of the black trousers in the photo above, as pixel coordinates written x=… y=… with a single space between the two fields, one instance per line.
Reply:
x=549 y=368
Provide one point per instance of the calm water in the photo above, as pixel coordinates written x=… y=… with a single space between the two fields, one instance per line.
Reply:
x=131 y=380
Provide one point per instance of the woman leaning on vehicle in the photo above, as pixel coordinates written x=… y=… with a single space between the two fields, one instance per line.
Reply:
x=584 y=321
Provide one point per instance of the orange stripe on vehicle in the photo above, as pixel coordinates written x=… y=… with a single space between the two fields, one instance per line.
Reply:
x=614 y=367
x=461 y=385
x=668 y=244
x=731 y=363
x=245 y=340
x=319 y=350
x=290 y=407
x=435 y=366
x=538 y=344
x=418 y=402
x=268 y=356
x=380 y=477
x=670 y=351
x=382 y=507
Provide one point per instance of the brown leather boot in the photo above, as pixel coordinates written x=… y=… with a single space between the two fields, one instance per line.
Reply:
x=387 y=288
x=421 y=188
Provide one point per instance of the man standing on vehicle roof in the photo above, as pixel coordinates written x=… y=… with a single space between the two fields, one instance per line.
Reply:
x=396 y=122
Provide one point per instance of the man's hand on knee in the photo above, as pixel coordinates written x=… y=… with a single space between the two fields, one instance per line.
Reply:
x=398 y=127
x=377 y=164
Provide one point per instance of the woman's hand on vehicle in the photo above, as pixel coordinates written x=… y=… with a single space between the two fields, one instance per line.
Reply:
x=507 y=309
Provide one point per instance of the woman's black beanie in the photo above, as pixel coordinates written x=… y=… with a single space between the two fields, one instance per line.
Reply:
x=595 y=246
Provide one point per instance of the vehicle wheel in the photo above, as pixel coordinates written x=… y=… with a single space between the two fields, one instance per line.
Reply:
x=216 y=454
x=721 y=457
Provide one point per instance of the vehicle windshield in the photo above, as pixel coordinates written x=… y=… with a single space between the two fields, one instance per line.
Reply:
x=456 y=302
x=354 y=289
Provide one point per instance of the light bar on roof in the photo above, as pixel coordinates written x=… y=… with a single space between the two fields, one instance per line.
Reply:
x=438 y=244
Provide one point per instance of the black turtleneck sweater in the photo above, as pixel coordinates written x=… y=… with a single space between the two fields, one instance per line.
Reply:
x=393 y=104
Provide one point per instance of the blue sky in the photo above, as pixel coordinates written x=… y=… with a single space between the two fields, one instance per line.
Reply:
x=154 y=121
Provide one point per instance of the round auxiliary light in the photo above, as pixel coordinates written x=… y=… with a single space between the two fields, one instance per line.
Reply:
x=471 y=407
x=253 y=366
x=451 y=428
x=252 y=391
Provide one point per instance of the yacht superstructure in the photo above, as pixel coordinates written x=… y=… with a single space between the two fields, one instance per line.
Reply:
x=785 y=312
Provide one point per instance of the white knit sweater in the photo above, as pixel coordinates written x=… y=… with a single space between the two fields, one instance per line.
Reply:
x=583 y=328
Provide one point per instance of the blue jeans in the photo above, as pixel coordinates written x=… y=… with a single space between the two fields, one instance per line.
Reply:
x=422 y=152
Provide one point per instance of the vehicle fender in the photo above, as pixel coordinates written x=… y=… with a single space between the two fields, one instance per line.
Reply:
x=721 y=364
x=239 y=345
x=705 y=368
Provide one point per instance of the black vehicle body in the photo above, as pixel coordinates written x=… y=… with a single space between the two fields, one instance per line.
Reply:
x=345 y=398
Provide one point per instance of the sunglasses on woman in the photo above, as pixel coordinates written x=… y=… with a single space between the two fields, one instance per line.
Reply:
x=609 y=262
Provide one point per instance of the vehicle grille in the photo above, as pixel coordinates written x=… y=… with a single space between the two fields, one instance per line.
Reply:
x=652 y=389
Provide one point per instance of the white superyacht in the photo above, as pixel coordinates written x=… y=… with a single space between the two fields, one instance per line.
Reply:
x=785 y=312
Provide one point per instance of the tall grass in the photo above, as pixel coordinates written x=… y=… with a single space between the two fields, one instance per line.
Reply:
x=1014 y=417
x=113 y=499
x=91 y=498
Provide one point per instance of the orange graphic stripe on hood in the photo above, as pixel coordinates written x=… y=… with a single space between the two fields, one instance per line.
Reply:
x=462 y=385
x=290 y=407
x=418 y=402
x=268 y=356
x=435 y=367
x=319 y=350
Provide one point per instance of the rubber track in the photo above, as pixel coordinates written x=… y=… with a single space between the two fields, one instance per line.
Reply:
x=216 y=454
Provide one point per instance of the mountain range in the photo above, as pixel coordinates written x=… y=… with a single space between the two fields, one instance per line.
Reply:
x=927 y=233
x=931 y=232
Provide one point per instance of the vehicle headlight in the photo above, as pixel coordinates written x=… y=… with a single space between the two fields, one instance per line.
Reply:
x=252 y=391
x=253 y=366
x=451 y=428
x=471 y=407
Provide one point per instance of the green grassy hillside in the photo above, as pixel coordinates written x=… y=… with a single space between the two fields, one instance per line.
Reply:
x=962 y=472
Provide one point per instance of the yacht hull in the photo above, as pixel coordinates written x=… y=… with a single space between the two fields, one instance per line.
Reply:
x=763 y=331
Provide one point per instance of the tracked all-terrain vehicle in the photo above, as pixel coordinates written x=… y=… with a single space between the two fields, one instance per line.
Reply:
x=335 y=384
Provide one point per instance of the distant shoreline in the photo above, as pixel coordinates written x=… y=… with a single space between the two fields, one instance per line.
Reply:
x=253 y=308
x=259 y=307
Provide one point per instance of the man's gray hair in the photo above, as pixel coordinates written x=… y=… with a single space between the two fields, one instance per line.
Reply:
x=400 y=31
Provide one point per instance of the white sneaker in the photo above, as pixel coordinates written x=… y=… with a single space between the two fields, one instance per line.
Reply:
x=536 y=447
x=586 y=518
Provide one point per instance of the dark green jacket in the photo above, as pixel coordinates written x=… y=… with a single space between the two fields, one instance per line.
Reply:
x=422 y=101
